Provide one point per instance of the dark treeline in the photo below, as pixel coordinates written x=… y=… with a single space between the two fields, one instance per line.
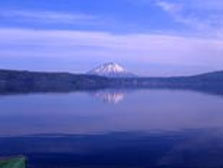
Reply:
x=25 y=82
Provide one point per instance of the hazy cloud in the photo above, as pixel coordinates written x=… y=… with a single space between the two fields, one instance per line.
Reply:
x=47 y=16
x=149 y=48
x=204 y=17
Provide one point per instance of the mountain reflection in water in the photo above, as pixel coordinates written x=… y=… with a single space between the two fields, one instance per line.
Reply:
x=109 y=96
x=78 y=113
x=148 y=129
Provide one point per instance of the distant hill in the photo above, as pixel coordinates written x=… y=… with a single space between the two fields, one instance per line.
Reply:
x=218 y=75
x=25 y=81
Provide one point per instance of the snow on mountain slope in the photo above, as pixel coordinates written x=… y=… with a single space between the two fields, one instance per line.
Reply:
x=111 y=70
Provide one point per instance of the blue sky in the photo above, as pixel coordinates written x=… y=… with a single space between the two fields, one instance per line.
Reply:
x=149 y=37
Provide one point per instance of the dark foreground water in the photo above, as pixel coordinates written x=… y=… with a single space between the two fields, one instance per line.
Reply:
x=114 y=129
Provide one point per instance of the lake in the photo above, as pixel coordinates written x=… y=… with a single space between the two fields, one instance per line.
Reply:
x=114 y=129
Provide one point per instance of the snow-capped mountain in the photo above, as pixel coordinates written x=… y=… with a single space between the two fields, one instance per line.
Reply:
x=111 y=70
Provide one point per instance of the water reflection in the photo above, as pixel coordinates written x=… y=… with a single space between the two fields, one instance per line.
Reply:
x=78 y=113
x=149 y=128
x=196 y=148
x=109 y=96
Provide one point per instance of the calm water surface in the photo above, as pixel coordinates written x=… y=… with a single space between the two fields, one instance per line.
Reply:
x=114 y=128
